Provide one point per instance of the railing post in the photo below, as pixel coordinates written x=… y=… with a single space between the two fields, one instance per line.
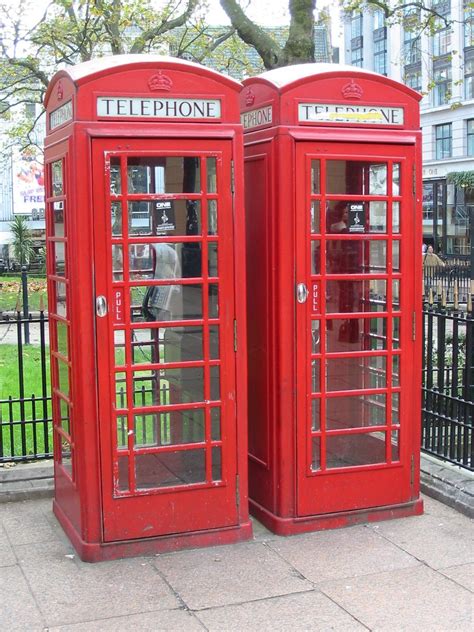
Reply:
x=24 y=284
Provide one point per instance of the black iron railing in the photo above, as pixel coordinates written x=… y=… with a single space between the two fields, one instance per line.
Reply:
x=448 y=382
x=25 y=397
x=451 y=278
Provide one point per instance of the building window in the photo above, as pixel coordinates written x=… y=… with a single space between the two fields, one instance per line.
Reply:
x=412 y=78
x=356 y=25
x=379 y=20
x=380 y=56
x=470 y=137
x=442 y=84
x=468 y=24
x=443 y=141
x=442 y=42
x=469 y=78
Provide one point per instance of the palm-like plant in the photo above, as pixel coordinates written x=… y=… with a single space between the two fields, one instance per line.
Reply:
x=22 y=240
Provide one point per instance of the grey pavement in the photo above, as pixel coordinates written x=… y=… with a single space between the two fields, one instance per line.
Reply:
x=408 y=574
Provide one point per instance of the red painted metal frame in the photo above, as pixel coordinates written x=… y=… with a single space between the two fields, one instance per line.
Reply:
x=284 y=495
x=79 y=500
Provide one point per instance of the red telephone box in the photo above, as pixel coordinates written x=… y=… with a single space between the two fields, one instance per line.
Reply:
x=145 y=241
x=333 y=221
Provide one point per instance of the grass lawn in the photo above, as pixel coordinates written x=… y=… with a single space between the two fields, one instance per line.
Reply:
x=11 y=293
x=27 y=436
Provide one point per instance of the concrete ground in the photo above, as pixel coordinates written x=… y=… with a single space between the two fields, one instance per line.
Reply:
x=408 y=574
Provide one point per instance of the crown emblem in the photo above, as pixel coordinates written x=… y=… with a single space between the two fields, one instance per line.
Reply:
x=352 y=90
x=249 y=97
x=160 y=82
x=60 y=92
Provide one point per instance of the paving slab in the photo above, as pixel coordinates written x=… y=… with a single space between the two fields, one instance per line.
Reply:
x=225 y=575
x=26 y=524
x=70 y=591
x=432 y=539
x=175 y=620
x=462 y=575
x=341 y=553
x=297 y=612
x=7 y=556
x=18 y=610
x=415 y=599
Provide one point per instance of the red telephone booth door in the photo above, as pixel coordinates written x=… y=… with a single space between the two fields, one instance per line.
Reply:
x=355 y=351
x=164 y=314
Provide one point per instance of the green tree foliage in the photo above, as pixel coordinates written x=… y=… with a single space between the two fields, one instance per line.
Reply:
x=22 y=240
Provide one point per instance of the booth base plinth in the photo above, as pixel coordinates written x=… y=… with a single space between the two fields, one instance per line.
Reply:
x=304 y=524
x=105 y=551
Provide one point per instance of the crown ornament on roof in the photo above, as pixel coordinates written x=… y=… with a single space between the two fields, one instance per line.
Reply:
x=249 y=97
x=352 y=90
x=159 y=81
x=60 y=92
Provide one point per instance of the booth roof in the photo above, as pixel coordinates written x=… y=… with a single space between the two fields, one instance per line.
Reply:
x=88 y=70
x=288 y=76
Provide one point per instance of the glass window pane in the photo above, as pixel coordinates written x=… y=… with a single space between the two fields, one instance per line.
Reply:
x=396 y=370
x=396 y=178
x=347 y=374
x=168 y=344
x=315 y=376
x=213 y=300
x=355 y=334
x=64 y=413
x=57 y=178
x=355 y=449
x=356 y=296
x=63 y=377
x=356 y=177
x=215 y=424
x=164 y=217
x=119 y=346
x=396 y=217
x=396 y=294
x=212 y=217
x=395 y=408
x=396 y=256
x=61 y=302
x=315 y=216
x=354 y=256
x=214 y=342
x=315 y=176
x=115 y=177
x=165 y=469
x=211 y=164
x=66 y=456
x=166 y=302
x=122 y=432
x=116 y=218
x=315 y=415
x=123 y=474
x=315 y=336
x=168 y=386
x=121 y=390
x=315 y=257
x=356 y=412
x=164 y=261
x=377 y=217
x=214 y=372
x=395 y=447
x=165 y=174
x=216 y=464
x=117 y=262
x=59 y=211
x=62 y=338
x=316 y=454
x=212 y=250
x=396 y=333
x=169 y=428
x=59 y=258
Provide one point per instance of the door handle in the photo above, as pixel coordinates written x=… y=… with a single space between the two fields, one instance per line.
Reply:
x=101 y=306
x=301 y=293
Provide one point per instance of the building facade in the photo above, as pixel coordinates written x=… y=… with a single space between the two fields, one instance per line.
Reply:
x=441 y=66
